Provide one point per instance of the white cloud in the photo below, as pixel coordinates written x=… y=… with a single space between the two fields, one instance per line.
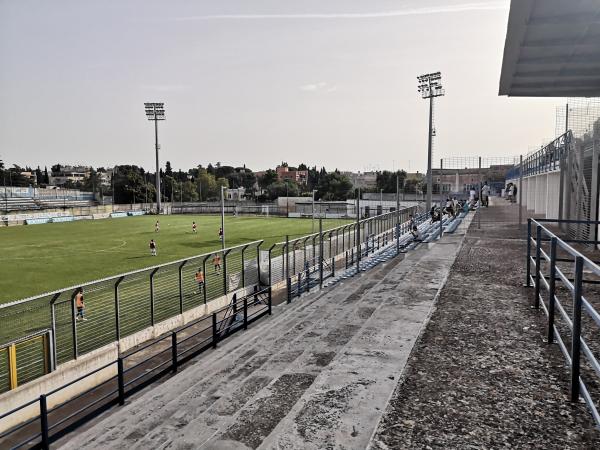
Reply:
x=320 y=86
x=464 y=7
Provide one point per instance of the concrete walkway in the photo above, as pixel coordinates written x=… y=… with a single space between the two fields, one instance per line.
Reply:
x=318 y=374
x=481 y=375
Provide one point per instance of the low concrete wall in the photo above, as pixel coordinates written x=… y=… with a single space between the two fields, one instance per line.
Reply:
x=64 y=374
x=89 y=362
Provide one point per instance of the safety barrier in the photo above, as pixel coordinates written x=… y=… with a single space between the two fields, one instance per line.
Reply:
x=563 y=277
x=134 y=371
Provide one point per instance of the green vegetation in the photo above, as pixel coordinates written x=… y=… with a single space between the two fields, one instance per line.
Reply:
x=41 y=258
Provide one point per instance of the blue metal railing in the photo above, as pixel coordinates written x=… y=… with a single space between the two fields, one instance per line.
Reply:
x=547 y=159
x=546 y=272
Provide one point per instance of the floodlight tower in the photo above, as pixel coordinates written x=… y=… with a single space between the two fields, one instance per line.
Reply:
x=430 y=86
x=156 y=112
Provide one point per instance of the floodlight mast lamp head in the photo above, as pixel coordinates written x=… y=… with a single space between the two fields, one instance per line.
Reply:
x=430 y=85
x=155 y=111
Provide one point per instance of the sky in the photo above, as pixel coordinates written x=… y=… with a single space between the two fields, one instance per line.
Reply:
x=325 y=82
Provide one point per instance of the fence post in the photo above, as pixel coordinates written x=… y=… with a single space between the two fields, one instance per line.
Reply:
x=117 y=310
x=121 y=381
x=74 y=324
x=152 y=296
x=205 y=277
x=270 y=264
x=320 y=253
x=245 y=313
x=346 y=259
x=243 y=267
x=225 y=287
x=528 y=281
x=215 y=335
x=307 y=278
x=53 y=317
x=181 y=287
x=538 y=251
x=576 y=338
x=270 y=301
x=44 y=422
x=288 y=281
x=174 y=351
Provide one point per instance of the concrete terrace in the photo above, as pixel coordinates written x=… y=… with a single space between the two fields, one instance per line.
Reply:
x=317 y=374
x=439 y=349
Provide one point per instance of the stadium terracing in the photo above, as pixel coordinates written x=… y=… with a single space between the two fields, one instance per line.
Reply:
x=480 y=333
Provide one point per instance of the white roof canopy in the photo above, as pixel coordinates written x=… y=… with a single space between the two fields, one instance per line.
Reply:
x=552 y=49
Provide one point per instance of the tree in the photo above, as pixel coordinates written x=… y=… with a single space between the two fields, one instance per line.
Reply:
x=387 y=180
x=56 y=169
x=334 y=186
x=46 y=179
x=129 y=185
x=168 y=169
x=268 y=178
x=281 y=189
x=39 y=178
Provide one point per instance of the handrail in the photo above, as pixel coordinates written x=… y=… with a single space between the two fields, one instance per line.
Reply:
x=571 y=324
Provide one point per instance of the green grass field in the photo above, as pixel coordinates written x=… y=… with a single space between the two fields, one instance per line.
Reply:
x=41 y=258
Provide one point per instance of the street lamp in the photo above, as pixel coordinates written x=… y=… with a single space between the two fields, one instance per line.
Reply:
x=156 y=112
x=430 y=86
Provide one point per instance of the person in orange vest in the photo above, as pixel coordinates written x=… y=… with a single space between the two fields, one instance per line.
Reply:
x=199 y=277
x=80 y=305
x=217 y=262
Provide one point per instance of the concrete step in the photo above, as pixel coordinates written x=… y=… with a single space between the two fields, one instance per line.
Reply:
x=318 y=372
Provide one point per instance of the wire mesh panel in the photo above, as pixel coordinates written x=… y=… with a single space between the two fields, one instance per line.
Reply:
x=64 y=326
x=250 y=261
x=32 y=358
x=234 y=266
x=4 y=370
x=277 y=263
x=98 y=326
x=24 y=318
x=135 y=303
x=192 y=282
x=165 y=287
x=214 y=276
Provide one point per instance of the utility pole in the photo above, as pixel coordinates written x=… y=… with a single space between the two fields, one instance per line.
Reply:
x=156 y=112
x=430 y=86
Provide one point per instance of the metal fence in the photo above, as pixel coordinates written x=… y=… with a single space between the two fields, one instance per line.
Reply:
x=566 y=287
x=122 y=305
x=132 y=372
x=283 y=265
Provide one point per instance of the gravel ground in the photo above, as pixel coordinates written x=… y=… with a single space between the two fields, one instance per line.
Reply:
x=481 y=375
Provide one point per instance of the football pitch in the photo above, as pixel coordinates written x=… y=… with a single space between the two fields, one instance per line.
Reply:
x=40 y=258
